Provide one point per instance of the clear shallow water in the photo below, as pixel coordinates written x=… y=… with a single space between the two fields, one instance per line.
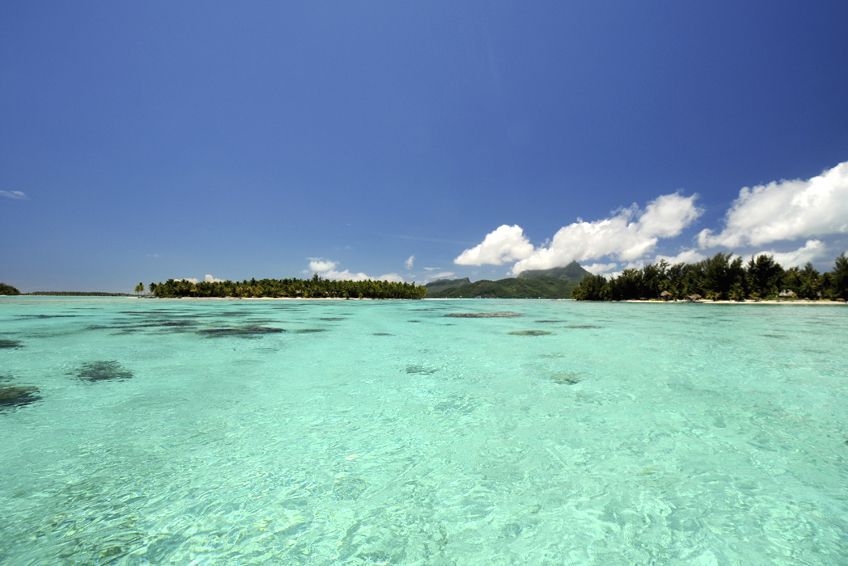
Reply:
x=379 y=432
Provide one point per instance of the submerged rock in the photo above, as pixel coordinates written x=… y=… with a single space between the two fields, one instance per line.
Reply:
x=9 y=344
x=107 y=370
x=530 y=332
x=239 y=331
x=17 y=396
x=503 y=314
x=566 y=378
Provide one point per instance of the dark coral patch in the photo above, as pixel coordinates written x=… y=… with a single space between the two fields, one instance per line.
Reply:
x=566 y=378
x=332 y=318
x=105 y=370
x=420 y=370
x=530 y=333
x=44 y=316
x=381 y=334
x=17 y=396
x=9 y=344
x=239 y=331
x=309 y=330
x=503 y=314
x=583 y=326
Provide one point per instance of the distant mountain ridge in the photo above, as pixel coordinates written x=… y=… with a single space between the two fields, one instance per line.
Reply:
x=555 y=283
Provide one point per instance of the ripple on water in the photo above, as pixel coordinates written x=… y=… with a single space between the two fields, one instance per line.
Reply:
x=501 y=314
x=249 y=331
x=6 y=344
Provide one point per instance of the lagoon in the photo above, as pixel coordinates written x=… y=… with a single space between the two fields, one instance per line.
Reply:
x=319 y=432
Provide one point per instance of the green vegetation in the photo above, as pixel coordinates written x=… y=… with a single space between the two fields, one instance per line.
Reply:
x=721 y=277
x=556 y=283
x=294 y=288
x=139 y=289
x=8 y=290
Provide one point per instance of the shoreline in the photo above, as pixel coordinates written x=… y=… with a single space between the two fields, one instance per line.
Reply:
x=823 y=302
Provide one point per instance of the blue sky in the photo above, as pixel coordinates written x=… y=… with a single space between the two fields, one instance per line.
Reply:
x=141 y=141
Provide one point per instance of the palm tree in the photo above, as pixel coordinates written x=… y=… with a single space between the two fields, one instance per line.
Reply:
x=139 y=289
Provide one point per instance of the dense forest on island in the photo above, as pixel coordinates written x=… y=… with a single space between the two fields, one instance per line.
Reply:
x=721 y=277
x=8 y=290
x=313 y=288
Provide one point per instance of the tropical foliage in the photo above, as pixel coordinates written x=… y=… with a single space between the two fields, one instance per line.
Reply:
x=8 y=290
x=296 y=288
x=721 y=277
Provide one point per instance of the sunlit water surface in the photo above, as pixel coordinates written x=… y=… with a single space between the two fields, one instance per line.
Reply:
x=387 y=432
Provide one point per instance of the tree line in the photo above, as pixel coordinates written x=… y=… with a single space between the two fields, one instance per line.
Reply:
x=316 y=287
x=720 y=277
x=8 y=290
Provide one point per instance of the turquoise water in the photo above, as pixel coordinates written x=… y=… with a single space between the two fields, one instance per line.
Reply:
x=389 y=432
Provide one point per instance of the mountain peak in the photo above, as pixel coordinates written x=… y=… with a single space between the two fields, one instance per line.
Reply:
x=572 y=272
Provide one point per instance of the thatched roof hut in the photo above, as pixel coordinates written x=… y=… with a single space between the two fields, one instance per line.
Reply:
x=787 y=294
x=694 y=298
x=665 y=295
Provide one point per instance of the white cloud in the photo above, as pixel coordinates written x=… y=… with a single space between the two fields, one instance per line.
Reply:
x=628 y=235
x=14 y=195
x=327 y=269
x=785 y=210
x=189 y=279
x=410 y=262
x=317 y=265
x=600 y=268
x=504 y=244
x=440 y=275
x=685 y=256
x=393 y=277
x=209 y=278
x=811 y=251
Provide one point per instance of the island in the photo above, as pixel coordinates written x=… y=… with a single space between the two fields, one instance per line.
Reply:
x=556 y=283
x=313 y=288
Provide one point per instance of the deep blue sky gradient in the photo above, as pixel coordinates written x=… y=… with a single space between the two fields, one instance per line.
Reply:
x=167 y=139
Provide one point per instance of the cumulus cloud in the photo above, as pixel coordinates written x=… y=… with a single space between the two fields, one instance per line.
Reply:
x=685 y=256
x=209 y=278
x=410 y=262
x=627 y=235
x=504 y=244
x=785 y=210
x=14 y=195
x=327 y=269
x=189 y=279
x=811 y=251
